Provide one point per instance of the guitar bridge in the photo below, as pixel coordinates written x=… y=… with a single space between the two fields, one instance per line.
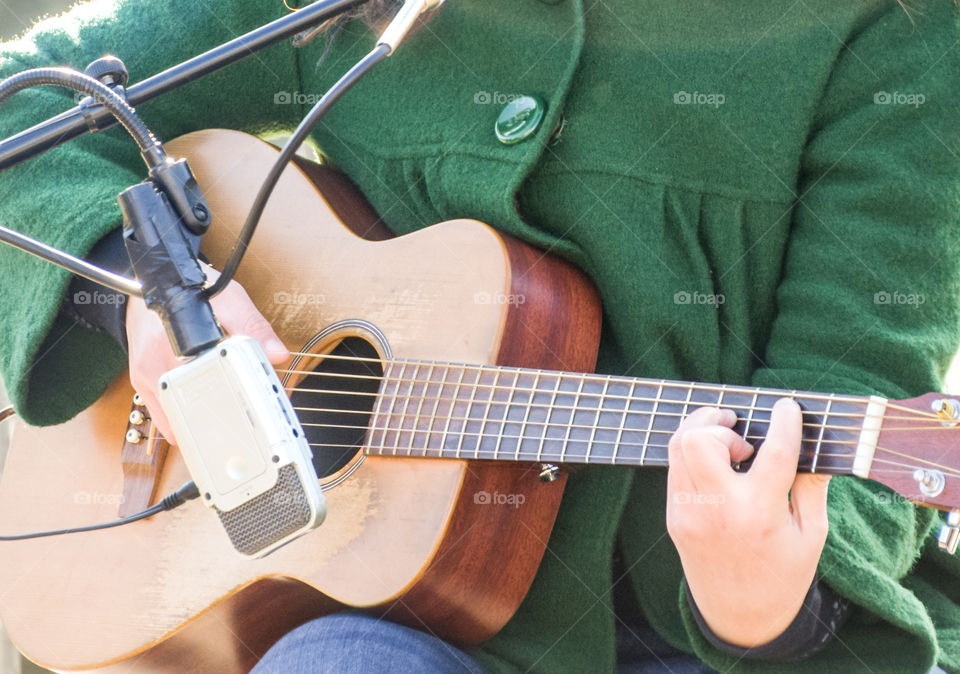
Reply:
x=144 y=451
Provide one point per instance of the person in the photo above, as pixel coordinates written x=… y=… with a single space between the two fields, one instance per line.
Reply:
x=741 y=180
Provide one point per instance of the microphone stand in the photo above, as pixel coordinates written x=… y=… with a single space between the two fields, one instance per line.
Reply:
x=94 y=117
x=165 y=216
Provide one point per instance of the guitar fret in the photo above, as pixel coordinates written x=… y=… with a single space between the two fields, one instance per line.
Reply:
x=436 y=406
x=406 y=406
x=390 y=414
x=506 y=411
x=653 y=415
x=823 y=427
x=573 y=414
x=546 y=422
x=596 y=419
x=753 y=406
x=416 y=418
x=623 y=421
x=453 y=411
x=485 y=418
x=466 y=418
x=526 y=415
x=686 y=402
x=374 y=423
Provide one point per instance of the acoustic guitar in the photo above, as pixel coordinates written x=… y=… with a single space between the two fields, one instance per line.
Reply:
x=440 y=379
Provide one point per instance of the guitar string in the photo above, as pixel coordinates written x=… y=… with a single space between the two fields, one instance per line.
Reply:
x=496 y=371
x=596 y=441
x=530 y=403
x=652 y=462
x=633 y=398
x=546 y=422
x=553 y=424
x=480 y=434
x=601 y=378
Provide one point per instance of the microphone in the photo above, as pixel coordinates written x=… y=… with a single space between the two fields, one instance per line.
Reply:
x=244 y=446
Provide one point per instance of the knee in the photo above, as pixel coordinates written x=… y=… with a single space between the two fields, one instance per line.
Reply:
x=352 y=642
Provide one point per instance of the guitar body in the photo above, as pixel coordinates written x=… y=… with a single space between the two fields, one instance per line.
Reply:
x=404 y=537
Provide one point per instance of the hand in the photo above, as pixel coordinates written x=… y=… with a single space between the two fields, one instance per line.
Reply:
x=749 y=553
x=151 y=354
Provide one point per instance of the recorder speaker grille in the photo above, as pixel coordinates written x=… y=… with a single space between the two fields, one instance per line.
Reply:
x=270 y=517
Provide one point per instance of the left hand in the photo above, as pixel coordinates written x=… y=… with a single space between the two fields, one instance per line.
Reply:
x=749 y=552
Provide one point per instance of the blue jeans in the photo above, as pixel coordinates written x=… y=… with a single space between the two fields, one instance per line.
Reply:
x=353 y=643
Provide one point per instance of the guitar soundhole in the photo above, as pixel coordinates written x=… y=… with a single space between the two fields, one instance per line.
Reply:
x=336 y=402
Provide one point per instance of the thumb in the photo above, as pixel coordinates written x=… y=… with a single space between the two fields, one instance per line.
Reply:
x=250 y=322
x=239 y=316
x=808 y=502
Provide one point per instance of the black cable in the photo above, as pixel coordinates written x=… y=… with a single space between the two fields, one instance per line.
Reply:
x=69 y=78
x=380 y=52
x=187 y=492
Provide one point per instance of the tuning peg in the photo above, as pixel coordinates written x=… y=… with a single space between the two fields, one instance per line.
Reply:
x=948 y=409
x=949 y=535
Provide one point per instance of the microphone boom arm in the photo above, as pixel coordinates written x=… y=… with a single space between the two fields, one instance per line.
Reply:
x=78 y=121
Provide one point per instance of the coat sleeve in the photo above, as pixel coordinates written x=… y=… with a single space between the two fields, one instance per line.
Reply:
x=868 y=303
x=53 y=367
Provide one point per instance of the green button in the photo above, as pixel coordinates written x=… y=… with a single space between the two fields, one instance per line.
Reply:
x=520 y=119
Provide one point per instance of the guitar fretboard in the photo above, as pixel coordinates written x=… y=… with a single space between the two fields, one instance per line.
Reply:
x=446 y=410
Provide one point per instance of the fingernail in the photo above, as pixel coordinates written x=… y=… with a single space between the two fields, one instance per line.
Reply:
x=276 y=346
x=727 y=417
x=785 y=403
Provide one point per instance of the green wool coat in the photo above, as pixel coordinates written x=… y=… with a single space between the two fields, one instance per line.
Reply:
x=797 y=158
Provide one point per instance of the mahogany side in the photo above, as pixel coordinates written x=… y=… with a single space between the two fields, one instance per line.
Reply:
x=473 y=588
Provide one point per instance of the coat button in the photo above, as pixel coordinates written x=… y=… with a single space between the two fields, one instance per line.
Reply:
x=520 y=119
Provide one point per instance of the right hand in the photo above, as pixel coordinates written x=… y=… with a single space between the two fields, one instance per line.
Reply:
x=151 y=354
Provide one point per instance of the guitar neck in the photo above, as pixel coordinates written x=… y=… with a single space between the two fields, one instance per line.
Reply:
x=445 y=410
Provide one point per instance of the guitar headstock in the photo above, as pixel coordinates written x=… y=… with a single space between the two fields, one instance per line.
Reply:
x=918 y=455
